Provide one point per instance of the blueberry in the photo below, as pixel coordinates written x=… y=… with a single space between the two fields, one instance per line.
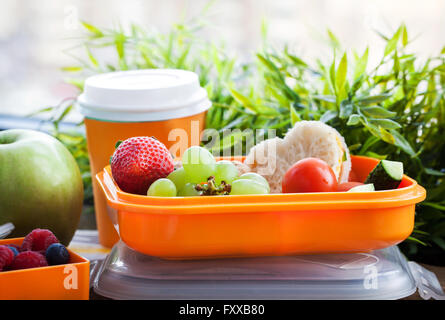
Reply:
x=57 y=254
x=14 y=249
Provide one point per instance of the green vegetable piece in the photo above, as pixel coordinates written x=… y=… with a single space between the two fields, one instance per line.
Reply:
x=363 y=188
x=386 y=175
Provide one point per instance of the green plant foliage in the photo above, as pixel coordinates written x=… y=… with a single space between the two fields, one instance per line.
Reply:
x=394 y=110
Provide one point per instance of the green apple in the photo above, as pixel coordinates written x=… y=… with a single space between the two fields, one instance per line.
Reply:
x=40 y=184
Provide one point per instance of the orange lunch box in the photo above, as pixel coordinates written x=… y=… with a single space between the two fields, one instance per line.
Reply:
x=62 y=282
x=265 y=225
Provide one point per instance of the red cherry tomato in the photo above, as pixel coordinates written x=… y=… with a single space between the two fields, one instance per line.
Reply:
x=342 y=187
x=309 y=175
x=352 y=176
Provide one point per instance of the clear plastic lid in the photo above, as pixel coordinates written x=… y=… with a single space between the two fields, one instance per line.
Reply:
x=382 y=274
x=143 y=95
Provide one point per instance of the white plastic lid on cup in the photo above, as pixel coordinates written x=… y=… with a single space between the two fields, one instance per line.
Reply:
x=143 y=95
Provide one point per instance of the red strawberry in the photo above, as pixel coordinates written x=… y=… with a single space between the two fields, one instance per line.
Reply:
x=138 y=162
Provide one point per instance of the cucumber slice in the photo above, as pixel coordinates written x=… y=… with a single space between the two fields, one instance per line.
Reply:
x=363 y=188
x=386 y=175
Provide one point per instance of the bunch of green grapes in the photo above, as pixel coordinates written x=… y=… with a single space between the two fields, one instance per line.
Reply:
x=198 y=165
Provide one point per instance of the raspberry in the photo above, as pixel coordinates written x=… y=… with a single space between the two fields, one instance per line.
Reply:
x=38 y=240
x=6 y=257
x=28 y=259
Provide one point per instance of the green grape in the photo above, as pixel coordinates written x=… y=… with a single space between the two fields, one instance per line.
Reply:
x=247 y=186
x=162 y=188
x=189 y=191
x=178 y=178
x=256 y=177
x=225 y=170
x=198 y=163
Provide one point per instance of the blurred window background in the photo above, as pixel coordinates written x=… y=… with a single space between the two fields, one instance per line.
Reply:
x=35 y=34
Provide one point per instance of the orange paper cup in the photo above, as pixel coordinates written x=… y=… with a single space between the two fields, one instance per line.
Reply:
x=169 y=105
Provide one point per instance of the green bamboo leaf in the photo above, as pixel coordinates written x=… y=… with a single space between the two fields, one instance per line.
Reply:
x=75 y=82
x=420 y=232
x=119 y=41
x=342 y=70
x=243 y=100
x=148 y=61
x=379 y=132
x=434 y=205
x=396 y=63
x=229 y=141
x=433 y=172
x=91 y=57
x=328 y=116
x=361 y=65
x=64 y=113
x=405 y=36
x=334 y=41
x=268 y=63
x=295 y=60
x=92 y=29
x=110 y=67
x=377 y=112
x=439 y=241
x=264 y=30
x=346 y=109
x=385 y=123
x=386 y=135
x=403 y=144
x=376 y=155
x=325 y=98
x=332 y=75
x=392 y=43
x=354 y=147
x=72 y=68
x=353 y=120
x=183 y=57
x=416 y=241
x=372 y=140
x=374 y=99
x=43 y=110
x=294 y=115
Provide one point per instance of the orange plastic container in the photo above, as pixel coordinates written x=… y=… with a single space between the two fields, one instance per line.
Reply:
x=62 y=282
x=266 y=225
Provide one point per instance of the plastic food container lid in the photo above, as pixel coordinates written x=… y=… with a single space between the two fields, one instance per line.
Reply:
x=143 y=95
x=381 y=274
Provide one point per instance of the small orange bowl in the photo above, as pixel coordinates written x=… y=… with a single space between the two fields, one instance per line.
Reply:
x=62 y=282
x=265 y=225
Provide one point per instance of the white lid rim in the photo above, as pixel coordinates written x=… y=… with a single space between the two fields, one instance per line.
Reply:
x=142 y=95
x=183 y=112
x=198 y=97
x=95 y=79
